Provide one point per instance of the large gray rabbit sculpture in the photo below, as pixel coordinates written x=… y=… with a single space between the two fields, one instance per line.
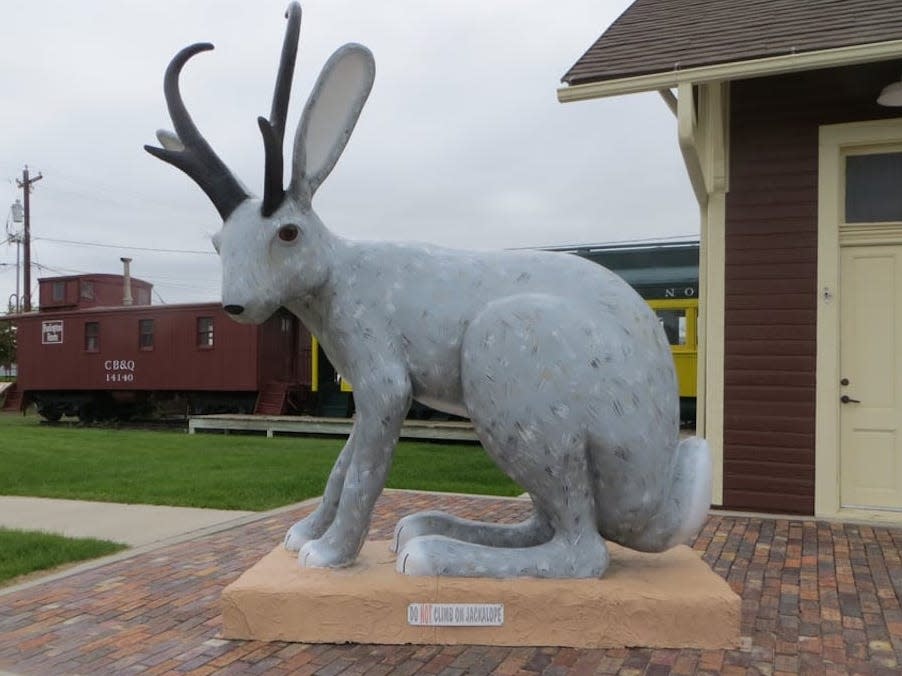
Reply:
x=561 y=366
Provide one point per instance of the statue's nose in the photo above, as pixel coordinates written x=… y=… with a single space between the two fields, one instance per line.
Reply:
x=233 y=309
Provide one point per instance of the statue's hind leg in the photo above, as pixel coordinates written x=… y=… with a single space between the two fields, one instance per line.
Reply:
x=534 y=530
x=519 y=392
x=562 y=557
x=570 y=546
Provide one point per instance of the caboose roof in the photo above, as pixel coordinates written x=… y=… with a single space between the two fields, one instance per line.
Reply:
x=656 y=44
x=91 y=276
x=108 y=309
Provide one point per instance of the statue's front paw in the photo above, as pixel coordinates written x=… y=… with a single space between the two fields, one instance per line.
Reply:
x=319 y=554
x=300 y=534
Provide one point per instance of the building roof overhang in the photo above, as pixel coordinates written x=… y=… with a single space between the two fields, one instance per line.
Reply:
x=734 y=70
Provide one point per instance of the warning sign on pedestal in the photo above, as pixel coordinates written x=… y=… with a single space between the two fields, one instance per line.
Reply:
x=455 y=614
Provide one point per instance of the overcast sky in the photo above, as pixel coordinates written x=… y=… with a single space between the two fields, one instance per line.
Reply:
x=462 y=143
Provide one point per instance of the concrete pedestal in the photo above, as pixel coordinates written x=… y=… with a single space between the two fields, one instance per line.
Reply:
x=669 y=600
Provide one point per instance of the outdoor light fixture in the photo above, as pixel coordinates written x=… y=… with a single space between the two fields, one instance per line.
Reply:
x=891 y=94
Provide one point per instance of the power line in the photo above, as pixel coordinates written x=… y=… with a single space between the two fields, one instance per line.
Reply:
x=59 y=271
x=164 y=281
x=98 y=191
x=123 y=246
x=186 y=284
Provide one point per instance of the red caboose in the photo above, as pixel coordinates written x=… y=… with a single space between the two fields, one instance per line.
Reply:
x=87 y=353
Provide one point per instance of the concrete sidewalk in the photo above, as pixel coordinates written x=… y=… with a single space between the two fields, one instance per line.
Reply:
x=134 y=525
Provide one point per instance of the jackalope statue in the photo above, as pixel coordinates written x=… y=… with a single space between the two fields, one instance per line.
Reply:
x=560 y=365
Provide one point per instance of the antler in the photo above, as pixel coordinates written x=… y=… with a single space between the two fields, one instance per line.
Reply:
x=188 y=150
x=273 y=130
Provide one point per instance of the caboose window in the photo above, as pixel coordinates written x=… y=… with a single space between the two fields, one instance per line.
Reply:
x=86 y=289
x=92 y=337
x=145 y=334
x=59 y=291
x=205 y=332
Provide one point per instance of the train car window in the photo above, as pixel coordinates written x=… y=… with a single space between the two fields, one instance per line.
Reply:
x=92 y=336
x=205 y=332
x=59 y=291
x=872 y=188
x=86 y=289
x=145 y=334
x=674 y=324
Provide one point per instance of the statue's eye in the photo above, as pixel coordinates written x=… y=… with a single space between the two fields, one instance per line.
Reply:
x=289 y=233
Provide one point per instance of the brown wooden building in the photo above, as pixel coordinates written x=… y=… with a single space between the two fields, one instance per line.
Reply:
x=798 y=173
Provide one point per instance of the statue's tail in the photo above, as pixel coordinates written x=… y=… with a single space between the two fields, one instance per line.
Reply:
x=683 y=510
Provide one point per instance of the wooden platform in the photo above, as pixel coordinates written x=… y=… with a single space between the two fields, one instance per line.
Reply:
x=668 y=600
x=279 y=424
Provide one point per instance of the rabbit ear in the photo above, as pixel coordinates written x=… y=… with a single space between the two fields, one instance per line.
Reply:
x=329 y=117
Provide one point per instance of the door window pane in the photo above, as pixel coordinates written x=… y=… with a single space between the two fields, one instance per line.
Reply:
x=674 y=324
x=874 y=188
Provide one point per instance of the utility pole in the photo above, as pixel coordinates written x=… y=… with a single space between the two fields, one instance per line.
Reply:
x=25 y=184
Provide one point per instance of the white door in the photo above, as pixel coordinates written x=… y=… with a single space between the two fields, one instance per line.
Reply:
x=871 y=377
x=858 y=452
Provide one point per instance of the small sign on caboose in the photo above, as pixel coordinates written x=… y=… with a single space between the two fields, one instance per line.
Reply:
x=52 y=332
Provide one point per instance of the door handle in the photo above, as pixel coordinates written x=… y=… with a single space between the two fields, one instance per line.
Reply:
x=846 y=399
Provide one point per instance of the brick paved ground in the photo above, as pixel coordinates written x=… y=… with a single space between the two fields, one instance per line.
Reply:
x=817 y=598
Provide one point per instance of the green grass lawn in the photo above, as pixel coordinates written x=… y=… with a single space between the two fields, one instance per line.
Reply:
x=23 y=552
x=207 y=470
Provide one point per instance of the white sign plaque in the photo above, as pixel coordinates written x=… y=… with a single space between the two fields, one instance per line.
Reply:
x=52 y=332
x=455 y=614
